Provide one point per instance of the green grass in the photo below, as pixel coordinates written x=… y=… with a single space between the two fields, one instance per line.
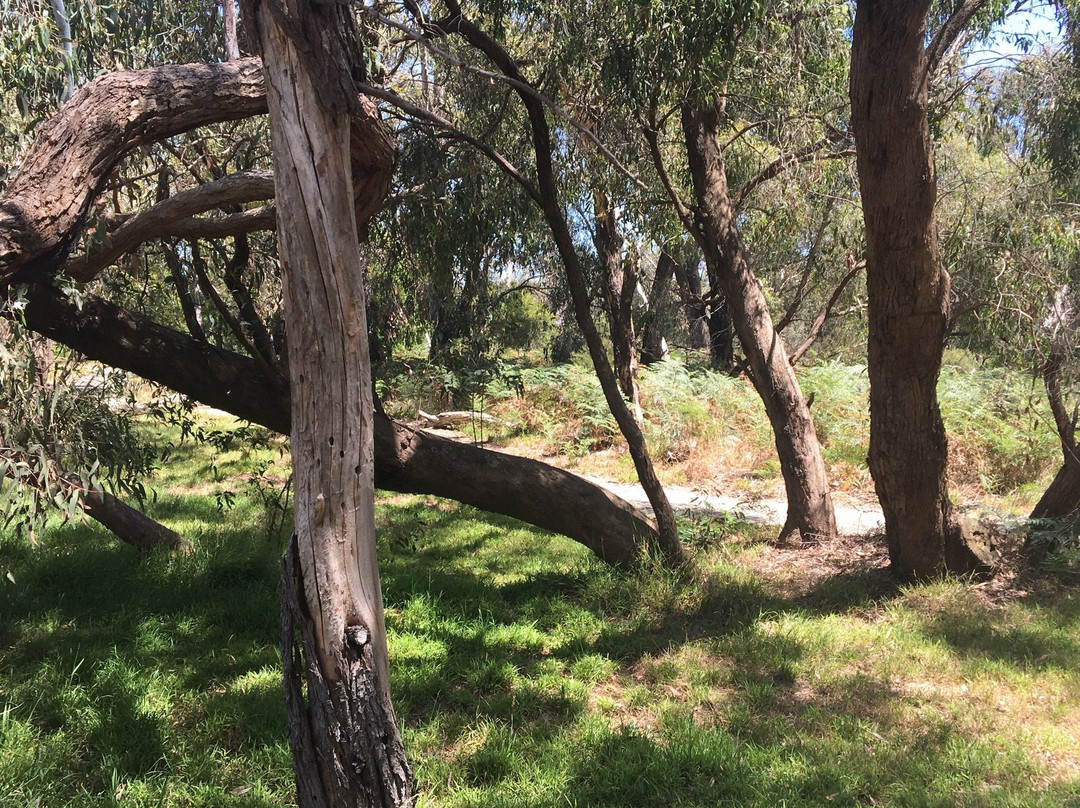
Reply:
x=527 y=674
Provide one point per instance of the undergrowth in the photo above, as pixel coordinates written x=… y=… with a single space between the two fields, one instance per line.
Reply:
x=709 y=429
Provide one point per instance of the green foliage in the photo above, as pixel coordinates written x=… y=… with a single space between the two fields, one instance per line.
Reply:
x=1000 y=431
x=63 y=431
x=653 y=45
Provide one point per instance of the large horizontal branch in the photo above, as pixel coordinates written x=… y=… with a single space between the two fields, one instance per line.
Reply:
x=232 y=189
x=46 y=203
x=219 y=227
x=406 y=460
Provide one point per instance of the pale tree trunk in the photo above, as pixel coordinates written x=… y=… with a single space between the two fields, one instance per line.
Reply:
x=907 y=289
x=232 y=45
x=620 y=282
x=346 y=744
x=810 y=514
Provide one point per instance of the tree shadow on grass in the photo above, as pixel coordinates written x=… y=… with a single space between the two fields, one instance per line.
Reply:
x=479 y=625
x=972 y=630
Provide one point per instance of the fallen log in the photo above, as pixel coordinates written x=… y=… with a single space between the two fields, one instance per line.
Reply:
x=447 y=420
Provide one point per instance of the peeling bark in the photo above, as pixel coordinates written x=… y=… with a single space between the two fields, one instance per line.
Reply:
x=46 y=204
x=346 y=743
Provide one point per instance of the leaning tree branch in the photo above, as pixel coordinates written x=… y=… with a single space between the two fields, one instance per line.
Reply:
x=406 y=460
x=669 y=543
x=46 y=203
x=434 y=119
x=826 y=312
x=518 y=83
x=155 y=222
x=785 y=162
x=218 y=227
x=949 y=33
x=685 y=213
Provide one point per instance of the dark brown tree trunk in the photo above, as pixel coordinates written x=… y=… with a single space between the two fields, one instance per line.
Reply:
x=810 y=512
x=620 y=282
x=721 y=328
x=688 y=277
x=1062 y=496
x=346 y=744
x=236 y=268
x=659 y=311
x=907 y=289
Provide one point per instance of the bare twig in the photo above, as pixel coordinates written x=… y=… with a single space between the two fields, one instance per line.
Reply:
x=437 y=120
x=826 y=311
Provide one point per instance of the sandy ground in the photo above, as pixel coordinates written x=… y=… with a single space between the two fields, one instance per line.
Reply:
x=852 y=519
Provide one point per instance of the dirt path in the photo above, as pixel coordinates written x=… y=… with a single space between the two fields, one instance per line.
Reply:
x=852 y=519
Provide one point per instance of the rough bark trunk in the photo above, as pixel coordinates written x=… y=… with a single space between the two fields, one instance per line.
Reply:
x=347 y=747
x=47 y=201
x=620 y=283
x=406 y=460
x=907 y=289
x=810 y=511
x=659 y=311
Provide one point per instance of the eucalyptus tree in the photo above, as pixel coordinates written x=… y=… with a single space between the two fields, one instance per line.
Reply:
x=1008 y=169
x=698 y=67
x=543 y=188
x=60 y=212
x=895 y=56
